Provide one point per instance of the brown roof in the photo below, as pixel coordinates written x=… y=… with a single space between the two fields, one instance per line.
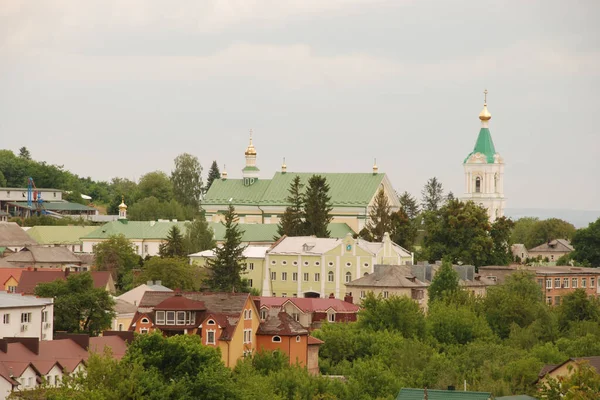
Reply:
x=397 y=276
x=219 y=303
x=180 y=303
x=310 y=305
x=314 y=340
x=40 y=254
x=30 y=279
x=280 y=323
x=123 y=307
x=13 y=235
x=557 y=245
x=594 y=362
x=6 y=273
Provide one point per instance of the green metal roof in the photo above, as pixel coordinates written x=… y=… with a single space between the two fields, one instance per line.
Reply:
x=484 y=145
x=345 y=189
x=250 y=169
x=418 y=394
x=160 y=229
x=59 y=234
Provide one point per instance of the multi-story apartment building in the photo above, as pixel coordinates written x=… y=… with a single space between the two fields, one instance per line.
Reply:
x=26 y=316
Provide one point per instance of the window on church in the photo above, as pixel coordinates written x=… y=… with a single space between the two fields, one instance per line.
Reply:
x=478 y=185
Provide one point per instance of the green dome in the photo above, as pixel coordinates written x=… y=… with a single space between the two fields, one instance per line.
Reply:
x=484 y=145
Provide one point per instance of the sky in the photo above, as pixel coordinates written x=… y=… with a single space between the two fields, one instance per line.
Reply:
x=113 y=88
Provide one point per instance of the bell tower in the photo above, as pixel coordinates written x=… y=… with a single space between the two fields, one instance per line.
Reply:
x=484 y=170
x=250 y=171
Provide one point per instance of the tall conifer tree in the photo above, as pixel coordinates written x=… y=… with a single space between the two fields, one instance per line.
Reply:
x=291 y=223
x=433 y=195
x=317 y=207
x=174 y=246
x=213 y=174
x=380 y=220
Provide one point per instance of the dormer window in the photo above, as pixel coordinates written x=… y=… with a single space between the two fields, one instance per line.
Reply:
x=263 y=314
x=145 y=320
x=276 y=339
x=210 y=322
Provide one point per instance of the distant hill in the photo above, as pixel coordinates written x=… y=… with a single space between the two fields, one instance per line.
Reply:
x=579 y=218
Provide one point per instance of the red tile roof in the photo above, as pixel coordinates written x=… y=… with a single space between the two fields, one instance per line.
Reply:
x=311 y=305
x=280 y=323
x=30 y=279
x=314 y=340
x=6 y=273
x=180 y=303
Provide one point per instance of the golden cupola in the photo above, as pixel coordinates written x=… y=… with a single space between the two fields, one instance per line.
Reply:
x=250 y=150
x=485 y=115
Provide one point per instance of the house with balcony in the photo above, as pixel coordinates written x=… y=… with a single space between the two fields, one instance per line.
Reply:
x=26 y=316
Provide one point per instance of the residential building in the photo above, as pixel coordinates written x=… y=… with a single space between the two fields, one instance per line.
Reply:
x=147 y=236
x=43 y=257
x=552 y=250
x=9 y=279
x=556 y=282
x=263 y=201
x=391 y=280
x=134 y=296
x=310 y=312
x=519 y=250
x=279 y=331
x=432 y=394
x=13 y=237
x=566 y=368
x=26 y=316
x=31 y=278
x=484 y=171
x=124 y=313
x=61 y=236
x=26 y=363
x=306 y=266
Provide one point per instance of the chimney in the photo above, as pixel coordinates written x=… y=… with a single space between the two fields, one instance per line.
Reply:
x=158 y=282
x=149 y=283
x=348 y=298
x=331 y=296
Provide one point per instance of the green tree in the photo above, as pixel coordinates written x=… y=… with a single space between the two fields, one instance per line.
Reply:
x=291 y=223
x=79 y=307
x=156 y=184
x=174 y=244
x=577 y=306
x=118 y=256
x=380 y=219
x=432 y=195
x=317 y=207
x=522 y=231
x=581 y=383
x=410 y=205
x=2 y=180
x=500 y=233
x=24 y=153
x=586 y=242
x=395 y=313
x=226 y=268
x=213 y=173
x=460 y=231
x=456 y=324
x=187 y=180
x=119 y=188
x=199 y=235
x=174 y=273
x=444 y=283
x=403 y=230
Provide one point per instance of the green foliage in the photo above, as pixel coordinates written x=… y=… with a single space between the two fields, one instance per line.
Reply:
x=532 y=232
x=118 y=256
x=395 y=313
x=454 y=324
x=152 y=209
x=577 y=306
x=156 y=184
x=500 y=233
x=226 y=268
x=380 y=221
x=444 y=283
x=409 y=204
x=582 y=383
x=198 y=235
x=175 y=273
x=317 y=207
x=291 y=223
x=49 y=221
x=187 y=180
x=24 y=153
x=586 y=242
x=213 y=173
x=460 y=231
x=79 y=307
x=173 y=246
x=432 y=195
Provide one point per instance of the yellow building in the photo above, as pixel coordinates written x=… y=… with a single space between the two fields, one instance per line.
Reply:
x=306 y=266
x=263 y=201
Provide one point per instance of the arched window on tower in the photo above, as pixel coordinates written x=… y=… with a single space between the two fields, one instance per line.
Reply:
x=496 y=183
x=478 y=185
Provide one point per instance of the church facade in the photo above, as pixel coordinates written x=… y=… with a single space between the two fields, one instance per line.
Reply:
x=484 y=171
x=263 y=201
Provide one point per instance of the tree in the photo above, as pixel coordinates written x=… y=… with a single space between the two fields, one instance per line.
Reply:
x=24 y=153
x=198 y=235
x=119 y=188
x=118 y=256
x=410 y=205
x=79 y=307
x=187 y=180
x=175 y=273
x=173 y=246
x=532 y=232
x=444 y=283
x=432 y=195
x=156 y=184
x=500 y=233
x=2 y=180
x=213 y=173
x=582 y=382
x=227 y=266
x=577 y=306
x=452 y=323
x=460 y=231
x=380 y=219
x=403 y=231
x=317 y=207
x=291 y=223
x=586 y=242
x=395 y=313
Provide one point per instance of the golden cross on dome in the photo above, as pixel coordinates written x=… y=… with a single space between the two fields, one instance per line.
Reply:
x=485 y=92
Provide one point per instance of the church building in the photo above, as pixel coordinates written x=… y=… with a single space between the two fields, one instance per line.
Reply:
x=484 y=171
x=263 y=201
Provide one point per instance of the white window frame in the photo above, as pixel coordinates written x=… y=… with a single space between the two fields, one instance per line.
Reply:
x=247 y=336
x=263 y=313
x=26 y=318
x=557 y=280
x=273 y=339
x=386 y=294
x=160 y=318
x=331 y=317
x=284 y=276
x=330 y=276
x=273 y=275
x=348 y=277
x=306 y=276
x=144 y=330
x=45 y=316
x=180 y=316
x=566 y=283
x=251 y=266
x=548 y=283
x=574 y=283
x=294 y=277
x=170 y=319
x=584 y=283
x=6 y=319
x=298 y=339
x=214 y=336
x=317 y=276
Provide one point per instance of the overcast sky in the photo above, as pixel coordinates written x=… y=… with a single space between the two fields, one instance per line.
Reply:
x=121 y=87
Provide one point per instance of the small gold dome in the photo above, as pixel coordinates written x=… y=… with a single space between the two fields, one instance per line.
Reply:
x=485 y=115
x=250 y=150
x=122 y=205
